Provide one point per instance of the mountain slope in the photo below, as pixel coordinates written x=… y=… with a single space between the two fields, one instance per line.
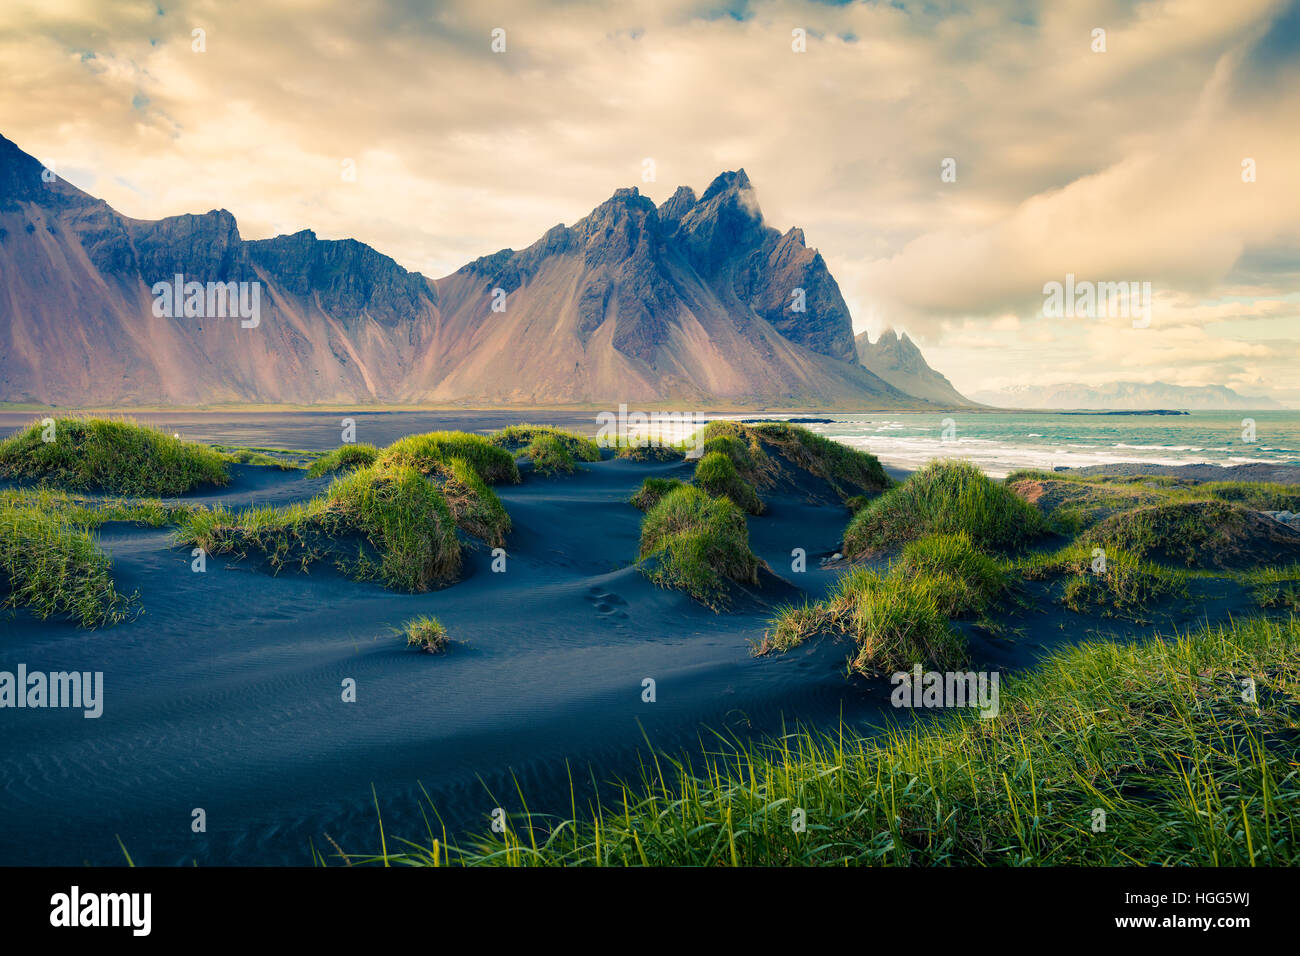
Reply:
x=690 y=302
x=897 y=360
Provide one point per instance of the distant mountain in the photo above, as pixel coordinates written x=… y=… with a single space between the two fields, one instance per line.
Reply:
x=896 y=359
x=1125 y=396
x=694 y=301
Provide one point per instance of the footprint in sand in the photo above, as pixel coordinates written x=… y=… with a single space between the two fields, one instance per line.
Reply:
x=607 y=603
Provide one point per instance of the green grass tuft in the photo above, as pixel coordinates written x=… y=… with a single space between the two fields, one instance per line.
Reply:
x=652 y=489
x=716 y=474
x=426 y=452
x=945 y=497
x=697 y=544
x=384 y=522
x=1128 y=589
x=118 y=457
x=426 y=633
x=976 y=579
x=345 y=456
x=520 y=438
x=550 y=456
x=894 y=622
x=54 y=567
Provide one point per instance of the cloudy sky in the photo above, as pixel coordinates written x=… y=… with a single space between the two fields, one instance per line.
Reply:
x=1115 y=157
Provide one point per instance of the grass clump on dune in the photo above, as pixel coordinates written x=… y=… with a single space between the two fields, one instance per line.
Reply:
x=975 y=580
x=1256 y=495
x=54 y=567
x=848 y=470
x=118 y=457
x=1155 y=735
x=1205 y=534
x=426 y=633
x=345 y=456
x=475 y=507
x=945 y=497
x=1275 y=588
x=652 y=489
x=428 y=451
x=739 y=443
x=89 y=513
x=385 y=522
x=1128 y=587
x=651 y=452
x=549 y=456
x=716 y=474
x=894 y=622
x=518 y=438
x=698 y=544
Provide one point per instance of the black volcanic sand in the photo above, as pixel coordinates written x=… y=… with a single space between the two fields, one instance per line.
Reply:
x=226 y=693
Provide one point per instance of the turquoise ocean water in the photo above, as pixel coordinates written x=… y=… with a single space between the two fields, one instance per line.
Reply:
x=1000 y=442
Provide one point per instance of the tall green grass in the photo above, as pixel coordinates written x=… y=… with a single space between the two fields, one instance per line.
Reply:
x=894 y=622
x=345 y=456
x=545 y=438
x=652 y=490
x=383 y=522
x=1158 y=737
x=945 y=497
x=698 y=544
x=716 y=474
x=426 y=452
x=1129 y=588
x=54 y=567
x=849 y=471
x=118 y=457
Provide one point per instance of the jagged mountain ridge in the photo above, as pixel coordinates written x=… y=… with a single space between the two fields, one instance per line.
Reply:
x=632 y=303
x=898 y=360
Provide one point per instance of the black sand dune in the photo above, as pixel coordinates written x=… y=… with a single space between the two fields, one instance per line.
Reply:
x=226 y=693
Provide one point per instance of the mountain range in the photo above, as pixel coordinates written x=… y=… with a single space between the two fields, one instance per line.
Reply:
x=696 y=300
x=1125 y=396
x=896 y=359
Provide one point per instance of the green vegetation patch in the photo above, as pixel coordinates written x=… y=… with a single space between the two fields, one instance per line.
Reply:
x=894 y=621
x=475 y=507
x=1125 y=587
x=520 y=439
x=975 y=580
x=740 y=443
x=427 y=452
x=1105 y=755
x=54 y=567
x=847 y=470
x=343 y=457
x=716 y=474
x=696 y=543
x=385 y=522
x=652 y=453
x=1275 y=588
x=1155 y=489
x=945 y=497
x=1073 y=506
x=118 y=457
x=1202 y=534
x=426 y=633
x=652 y=489
x=550 y=456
